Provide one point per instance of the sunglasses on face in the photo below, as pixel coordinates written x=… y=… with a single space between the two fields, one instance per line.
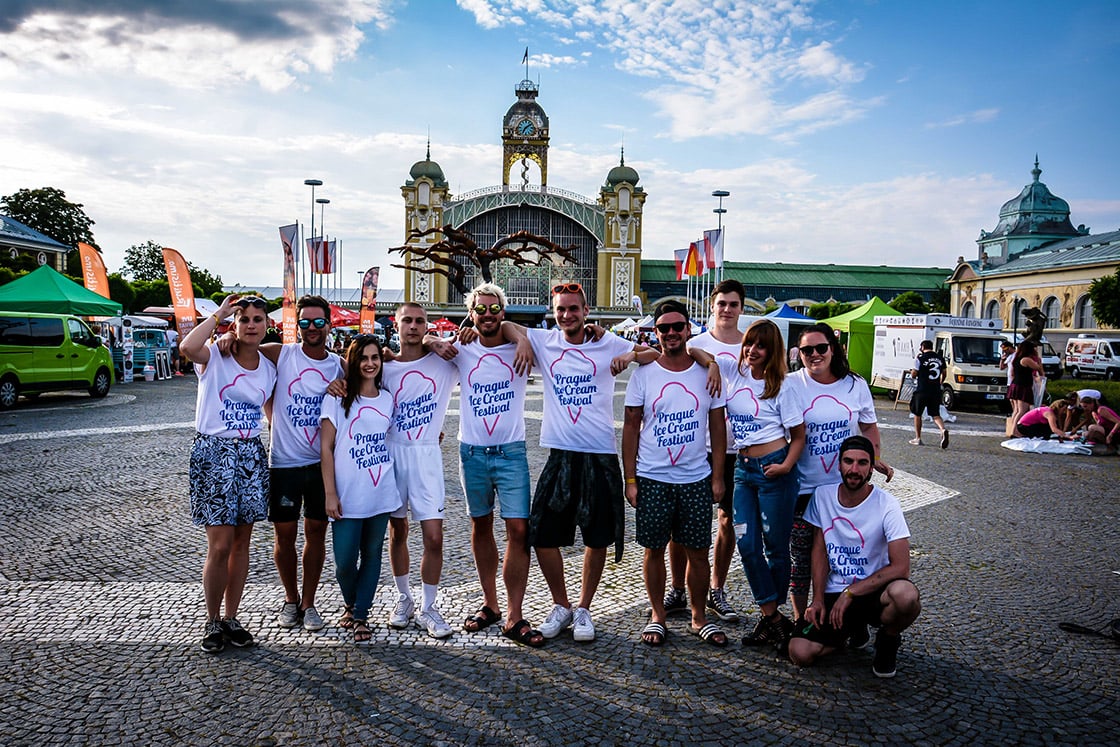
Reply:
x=308 y=323
x=673 y=326
x=247 y=301
x=482 y=308
x=567 y=288
x=820 y=348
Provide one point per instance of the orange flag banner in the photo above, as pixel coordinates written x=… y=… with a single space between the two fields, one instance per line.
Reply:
x=369 y=301
x=93 y=270
x=182 y=292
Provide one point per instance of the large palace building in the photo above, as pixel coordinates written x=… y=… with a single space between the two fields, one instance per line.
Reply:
x=606 y=230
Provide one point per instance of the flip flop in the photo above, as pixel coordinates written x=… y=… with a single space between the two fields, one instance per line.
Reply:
x=523 y=633
x=481 y=620
x=710 y=633
x=657 y=630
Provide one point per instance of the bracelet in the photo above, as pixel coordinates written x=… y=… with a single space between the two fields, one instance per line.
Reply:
x=713 y=363
x=631 y=481
x=848 y=591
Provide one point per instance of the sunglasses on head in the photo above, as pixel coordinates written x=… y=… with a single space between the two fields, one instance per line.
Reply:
x=482 y=308
x=308 y=323
x=247 y=301
x=820 y=348
x=674 y=326
x=567 y=288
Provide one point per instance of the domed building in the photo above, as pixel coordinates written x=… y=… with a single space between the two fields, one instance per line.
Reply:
x=605 y=230
x=1034 y=257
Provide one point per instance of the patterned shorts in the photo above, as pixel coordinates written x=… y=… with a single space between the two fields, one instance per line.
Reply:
x=229 y=481
x=668 y=510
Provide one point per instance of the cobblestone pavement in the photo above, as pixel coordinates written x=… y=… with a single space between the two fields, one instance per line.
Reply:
x=102 y=609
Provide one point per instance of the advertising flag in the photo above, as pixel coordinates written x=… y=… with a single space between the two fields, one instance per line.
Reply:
x=182 y=292
x=369 y=301
x=93 y=270
x=680 y=256
x=288 y=238
x=713 y=242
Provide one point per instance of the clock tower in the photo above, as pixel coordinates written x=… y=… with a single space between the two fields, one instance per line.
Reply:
x=525 y=136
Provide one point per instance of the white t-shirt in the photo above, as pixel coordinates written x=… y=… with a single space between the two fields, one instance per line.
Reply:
x=421 y=390
x=855 y=539
x=727 y=356
x=831 y=412
x=230 y=398
x=675 y=406
x=755 y=420
x=578 y=390
x=491 y=395
x=363 y=466
x=301 y=384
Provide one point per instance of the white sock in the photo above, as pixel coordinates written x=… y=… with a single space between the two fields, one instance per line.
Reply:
x=402 y=585
x=429 y=596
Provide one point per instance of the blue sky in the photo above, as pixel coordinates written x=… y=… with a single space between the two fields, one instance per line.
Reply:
x=848 y=131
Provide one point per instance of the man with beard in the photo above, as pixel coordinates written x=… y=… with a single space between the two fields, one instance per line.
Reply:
x=861 y=566
x=669 y=480
x=303 y=371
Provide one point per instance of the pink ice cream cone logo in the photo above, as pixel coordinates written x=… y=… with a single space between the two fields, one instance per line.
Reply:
x=372 y=429
x=829 y=418
x=309 y=386
x=231 y=413
x=489 y=369
x=415 y=399
x=685 y=396
x=573 y=374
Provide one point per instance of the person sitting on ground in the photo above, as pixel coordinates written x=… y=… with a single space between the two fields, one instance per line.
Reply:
x=928 y=374
x=861 y=574
x=1105 y=425
x=1041 y=422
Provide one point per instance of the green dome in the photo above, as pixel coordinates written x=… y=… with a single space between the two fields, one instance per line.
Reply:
x=622 y=173
x=429 y=169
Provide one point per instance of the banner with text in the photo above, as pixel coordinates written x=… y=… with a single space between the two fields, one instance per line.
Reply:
x=182 y=292
x=289 y=239
x=369 y=301
x=93 y=270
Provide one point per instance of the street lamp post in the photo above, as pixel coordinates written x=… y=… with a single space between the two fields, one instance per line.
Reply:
x=323 y=202
x=313 y=183
x=719 y=211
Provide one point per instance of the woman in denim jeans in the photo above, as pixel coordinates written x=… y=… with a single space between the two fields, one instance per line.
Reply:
x=761 y=414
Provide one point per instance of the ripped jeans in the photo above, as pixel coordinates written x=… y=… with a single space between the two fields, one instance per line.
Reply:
x=763 y=515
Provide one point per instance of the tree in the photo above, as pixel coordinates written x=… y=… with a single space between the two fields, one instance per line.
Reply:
x=829 y=310
x=941 y=300
x=49 y=212
x=121 y=291
x=145 y=262
x=910 y=302
x=1105 y=295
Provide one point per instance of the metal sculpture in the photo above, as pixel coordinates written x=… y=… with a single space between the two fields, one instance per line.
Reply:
x=1036 y=323
x=456 y=242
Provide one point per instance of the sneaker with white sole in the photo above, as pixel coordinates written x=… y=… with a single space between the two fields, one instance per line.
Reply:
x=312 y=620
x=720 y=607
x=289 y=615
x=582 y=627
x=214 y=638
x=402 y=612
x=235 y=634
x=915 y=442
x=432 y=621
x=886 y=654
x=557 y=620
x=945 y=439
x=676 y=600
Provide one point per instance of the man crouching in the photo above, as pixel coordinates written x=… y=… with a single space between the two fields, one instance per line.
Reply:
x=861 y=567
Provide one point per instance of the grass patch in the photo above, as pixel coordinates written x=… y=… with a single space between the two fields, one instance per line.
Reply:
x=1110 y=390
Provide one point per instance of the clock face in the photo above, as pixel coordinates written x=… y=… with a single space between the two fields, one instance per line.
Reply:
x=526 y=127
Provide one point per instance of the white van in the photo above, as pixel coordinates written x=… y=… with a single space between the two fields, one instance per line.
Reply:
x=1051 y=362
x=1093 y=356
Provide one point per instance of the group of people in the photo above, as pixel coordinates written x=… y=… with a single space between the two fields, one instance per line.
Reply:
x=355 y=443
x=1079 y=415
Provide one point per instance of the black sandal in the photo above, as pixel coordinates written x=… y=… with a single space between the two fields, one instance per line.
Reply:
x=523 y=633
x=347 y=619
x=481 y=620
x=362 y=632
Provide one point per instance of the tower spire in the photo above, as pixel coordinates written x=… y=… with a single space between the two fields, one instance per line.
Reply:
x=1036 y=172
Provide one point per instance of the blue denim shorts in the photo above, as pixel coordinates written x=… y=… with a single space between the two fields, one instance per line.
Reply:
x=501 y=471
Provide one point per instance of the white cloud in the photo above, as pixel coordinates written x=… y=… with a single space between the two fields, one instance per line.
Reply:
x=980 y=116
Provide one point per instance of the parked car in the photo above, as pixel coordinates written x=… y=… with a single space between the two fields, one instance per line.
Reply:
x=1093 y=356
x=50 y=352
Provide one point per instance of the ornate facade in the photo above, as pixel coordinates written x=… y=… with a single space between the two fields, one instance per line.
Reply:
x=606 y=231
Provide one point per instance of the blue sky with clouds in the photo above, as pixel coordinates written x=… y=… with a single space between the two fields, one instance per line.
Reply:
x=849 y=131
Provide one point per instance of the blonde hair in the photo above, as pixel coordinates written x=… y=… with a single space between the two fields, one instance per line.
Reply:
x=486 y=289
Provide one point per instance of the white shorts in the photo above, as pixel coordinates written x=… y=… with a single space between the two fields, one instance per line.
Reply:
x=419 y=472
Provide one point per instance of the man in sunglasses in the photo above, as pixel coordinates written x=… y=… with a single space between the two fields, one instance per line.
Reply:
x=303 y=370
x=670 y=419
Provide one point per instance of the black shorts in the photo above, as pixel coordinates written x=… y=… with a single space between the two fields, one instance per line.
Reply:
x=727 y=504
x=571 y=480
x=295 y=487
x=1039 y=430
x=928 y=401
x=865 y=609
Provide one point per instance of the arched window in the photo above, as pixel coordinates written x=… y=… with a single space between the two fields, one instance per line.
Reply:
x=968 y=310
x=991 y=311
x=1083 y=315
x=1053 y=311
x=1017 y=320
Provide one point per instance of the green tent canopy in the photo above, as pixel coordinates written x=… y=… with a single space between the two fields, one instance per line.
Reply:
x=48 y=291
x=859 y=324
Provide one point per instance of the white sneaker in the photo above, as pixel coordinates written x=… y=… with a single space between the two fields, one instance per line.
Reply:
x=583 y=629
x=915 y=442
x=557 y=620
x=312 y=620
x=289 y=615
x=402 y=612
x=432 y=621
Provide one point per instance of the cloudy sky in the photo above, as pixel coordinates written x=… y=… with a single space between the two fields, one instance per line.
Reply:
x=848 y=131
